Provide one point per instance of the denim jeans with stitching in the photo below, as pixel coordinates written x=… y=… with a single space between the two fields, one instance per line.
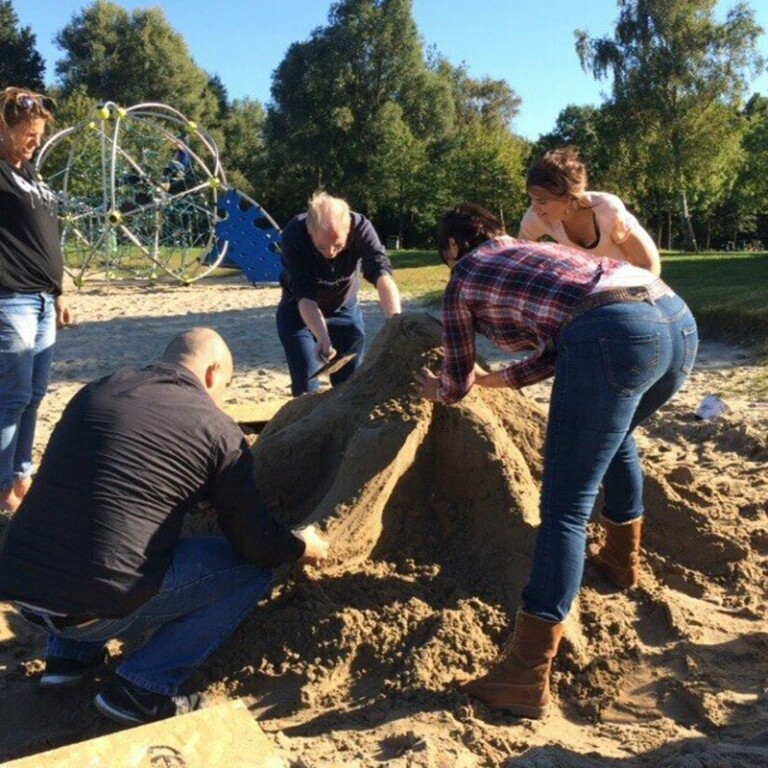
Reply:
x=27 y=338
x=207 y=591
x=616 y=365
x=346 y=329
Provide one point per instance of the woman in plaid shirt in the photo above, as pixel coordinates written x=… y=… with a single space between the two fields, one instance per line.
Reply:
x=619 y=343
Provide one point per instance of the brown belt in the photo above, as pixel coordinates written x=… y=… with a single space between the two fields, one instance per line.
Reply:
x=650 y=293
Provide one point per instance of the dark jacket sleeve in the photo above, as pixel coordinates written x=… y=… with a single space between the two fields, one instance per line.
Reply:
x=296 y=251
x=256 y=536
x=372 y=253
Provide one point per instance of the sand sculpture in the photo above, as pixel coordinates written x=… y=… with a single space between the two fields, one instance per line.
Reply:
x=432 y=512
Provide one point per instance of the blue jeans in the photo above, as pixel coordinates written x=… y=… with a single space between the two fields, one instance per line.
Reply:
x=347 y=332
x=616 y=365
x=207 y=591
x=27 y=337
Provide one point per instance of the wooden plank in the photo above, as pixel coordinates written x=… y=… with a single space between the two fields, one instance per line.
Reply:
x=221 y=736
x=255 y=416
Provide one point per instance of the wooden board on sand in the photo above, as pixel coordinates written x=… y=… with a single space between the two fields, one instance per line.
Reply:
x=222 y=736
x=255 y=416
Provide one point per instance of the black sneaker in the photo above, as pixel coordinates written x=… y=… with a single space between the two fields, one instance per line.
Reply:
x=126 y=703
x=64 y=673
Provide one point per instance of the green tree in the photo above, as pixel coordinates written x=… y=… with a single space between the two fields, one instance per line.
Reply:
x=678 y=77
x=746 y=210
x=582 y=127
x=20 y=63
x=361 y=110
x=399 y=176
x=492 y=102
x=333 y=95
x=244 y=153
x=487 y=167
x=133 y=58
x=72 y=108
x=219 y=90
x=485 y=160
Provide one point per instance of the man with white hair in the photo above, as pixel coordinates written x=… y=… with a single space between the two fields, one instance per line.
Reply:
x=324 y=252
x=95 y=550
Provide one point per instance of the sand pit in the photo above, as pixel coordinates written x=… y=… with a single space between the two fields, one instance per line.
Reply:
x=432 y=512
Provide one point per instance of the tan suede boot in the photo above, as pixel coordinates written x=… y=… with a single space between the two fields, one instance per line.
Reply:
x=21 y=486
x=518 y=681
x=619 y=556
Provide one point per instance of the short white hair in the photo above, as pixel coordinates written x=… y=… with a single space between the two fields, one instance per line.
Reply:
x=325 y=213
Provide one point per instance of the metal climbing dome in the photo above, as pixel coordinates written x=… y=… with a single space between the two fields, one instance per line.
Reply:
x=143 y=195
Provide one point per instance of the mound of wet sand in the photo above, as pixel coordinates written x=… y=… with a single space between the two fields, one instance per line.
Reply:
x=432 y=512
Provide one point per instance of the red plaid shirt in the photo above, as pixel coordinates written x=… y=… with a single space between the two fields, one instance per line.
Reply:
x=517 y=294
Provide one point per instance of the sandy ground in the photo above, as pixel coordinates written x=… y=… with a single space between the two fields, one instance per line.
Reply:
x=674 y=673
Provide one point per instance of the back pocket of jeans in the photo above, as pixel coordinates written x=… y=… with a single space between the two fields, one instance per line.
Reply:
x=630 y=364
x=690 y=348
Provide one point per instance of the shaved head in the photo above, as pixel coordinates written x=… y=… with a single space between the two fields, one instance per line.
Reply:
x=207 y=355
x=196 y=342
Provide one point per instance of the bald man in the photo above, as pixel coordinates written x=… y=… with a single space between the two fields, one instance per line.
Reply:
x=95 y=550
x=324 y=253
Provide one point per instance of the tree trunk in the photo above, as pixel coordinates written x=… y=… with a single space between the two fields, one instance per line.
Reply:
x=669 y=230
x=688 y=233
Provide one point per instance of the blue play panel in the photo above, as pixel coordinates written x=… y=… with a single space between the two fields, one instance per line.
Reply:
x=252 y=237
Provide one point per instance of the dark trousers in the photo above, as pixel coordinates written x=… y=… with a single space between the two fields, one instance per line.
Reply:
x=347 y=332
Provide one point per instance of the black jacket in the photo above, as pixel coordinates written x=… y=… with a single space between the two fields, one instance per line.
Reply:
x=131 y=456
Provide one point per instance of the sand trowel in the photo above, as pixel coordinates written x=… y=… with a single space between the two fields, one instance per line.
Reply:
x=333 y=365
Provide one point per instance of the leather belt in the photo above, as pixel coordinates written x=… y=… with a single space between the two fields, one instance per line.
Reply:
x=650 y=293
x=658 y=289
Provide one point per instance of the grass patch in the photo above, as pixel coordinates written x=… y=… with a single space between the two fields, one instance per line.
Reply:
x=727 y=292
x=421 y=275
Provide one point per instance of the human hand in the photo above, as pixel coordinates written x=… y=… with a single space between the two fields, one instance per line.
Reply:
x=316 y=545
x=325 y=351
x=426 y=383
x=64 y=316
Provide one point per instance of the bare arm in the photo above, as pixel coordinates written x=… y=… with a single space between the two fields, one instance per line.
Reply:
x=640 y=250
x=389 y=295
x=494 y=380
x=313 y=317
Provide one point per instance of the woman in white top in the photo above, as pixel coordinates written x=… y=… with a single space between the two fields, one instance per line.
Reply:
x=595 y=222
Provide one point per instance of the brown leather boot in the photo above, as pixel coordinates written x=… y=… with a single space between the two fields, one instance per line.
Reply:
x=21 y=486
x=619 y=557
x=518 y=681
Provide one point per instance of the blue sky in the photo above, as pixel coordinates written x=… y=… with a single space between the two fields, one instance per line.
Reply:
x=528 y=44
